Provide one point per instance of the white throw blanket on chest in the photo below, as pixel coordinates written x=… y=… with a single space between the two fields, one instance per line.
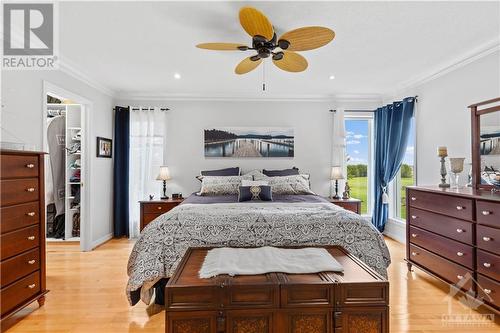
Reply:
x=252 y=261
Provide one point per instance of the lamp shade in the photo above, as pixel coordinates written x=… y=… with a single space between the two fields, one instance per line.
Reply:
x=336 y=173
x=164 y=173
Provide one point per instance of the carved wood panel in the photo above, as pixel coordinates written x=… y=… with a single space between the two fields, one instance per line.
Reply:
x=309 y=323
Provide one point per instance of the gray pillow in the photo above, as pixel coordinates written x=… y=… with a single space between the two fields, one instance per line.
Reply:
x=221 y=185
x=280 y=173
x=219 y=172
x=295 y=184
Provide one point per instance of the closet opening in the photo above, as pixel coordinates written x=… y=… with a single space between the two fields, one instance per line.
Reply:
x=65 y=169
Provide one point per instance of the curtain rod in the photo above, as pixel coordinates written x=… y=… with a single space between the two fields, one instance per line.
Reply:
x=335 y=110
x=144 y=109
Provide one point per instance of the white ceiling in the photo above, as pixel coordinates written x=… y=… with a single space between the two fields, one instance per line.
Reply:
x=136 y=47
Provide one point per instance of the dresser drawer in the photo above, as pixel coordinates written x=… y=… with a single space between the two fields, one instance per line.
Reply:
x=18 y=166
x=488 y=290
x=18 y=241
x=17 y=191
x=488 y=238
x=19 y=266
x=447 y=270
x=443 y=225
x=445 y=204
x=488 y=213
x=19 y=216
x=19 y=292
x=158 y=208
x=488 y=264
x=450 y=249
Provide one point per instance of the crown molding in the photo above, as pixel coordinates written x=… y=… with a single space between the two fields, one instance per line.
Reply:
x=160 y=96
x=330 y=98
x=453 y=64
x=66 y=66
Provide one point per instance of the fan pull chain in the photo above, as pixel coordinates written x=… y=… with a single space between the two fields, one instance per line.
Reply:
x=264 y=76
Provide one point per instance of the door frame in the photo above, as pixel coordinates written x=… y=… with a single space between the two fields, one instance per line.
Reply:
x=87 y=106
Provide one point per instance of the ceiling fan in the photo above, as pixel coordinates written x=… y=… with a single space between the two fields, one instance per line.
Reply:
x=265 y=42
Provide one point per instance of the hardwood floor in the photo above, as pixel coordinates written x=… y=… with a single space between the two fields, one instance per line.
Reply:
x=87 y=294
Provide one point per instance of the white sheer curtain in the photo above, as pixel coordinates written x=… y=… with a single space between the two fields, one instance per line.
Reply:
x=338 y=143
x=147 y=145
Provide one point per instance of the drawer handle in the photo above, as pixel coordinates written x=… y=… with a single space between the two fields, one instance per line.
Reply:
x=414 y=254
x=460 y=277
x=32 y=261
x=30 y=166
x=31 y=286
x=414 y=235
x=413 y=217
x=31 y=214
x=413 y=199
x=460 y=254
x=460 y=208
x=487 y=291
x=30 y=189
x=486 y=239
x=487 y=264
x=485 y=212
x=31 y=237
x=460 y=231
x=159 y=207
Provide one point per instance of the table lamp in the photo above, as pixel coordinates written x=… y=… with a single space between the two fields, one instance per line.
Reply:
x=336 y=175
x=164 y=175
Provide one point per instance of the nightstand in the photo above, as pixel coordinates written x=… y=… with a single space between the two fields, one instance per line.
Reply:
x=151 y=209
x=354 y=205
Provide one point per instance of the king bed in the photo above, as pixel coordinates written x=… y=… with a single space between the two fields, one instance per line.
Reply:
x=221 y=220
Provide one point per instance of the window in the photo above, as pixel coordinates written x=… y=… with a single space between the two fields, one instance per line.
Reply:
x=359 y=149
x=405 y=177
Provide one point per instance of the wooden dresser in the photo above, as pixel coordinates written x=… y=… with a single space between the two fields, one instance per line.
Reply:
x=22 y=229
x=151 y=209
x=455 y=236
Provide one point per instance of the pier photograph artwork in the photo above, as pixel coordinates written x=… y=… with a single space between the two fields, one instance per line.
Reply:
x=249 y=142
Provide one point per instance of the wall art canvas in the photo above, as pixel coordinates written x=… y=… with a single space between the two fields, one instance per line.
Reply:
x=249 y=142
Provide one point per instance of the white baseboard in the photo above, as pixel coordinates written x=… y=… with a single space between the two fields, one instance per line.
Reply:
x=101 y=240
x=396 y=230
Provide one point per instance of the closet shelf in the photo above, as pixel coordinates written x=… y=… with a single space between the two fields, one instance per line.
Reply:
x=74 y=128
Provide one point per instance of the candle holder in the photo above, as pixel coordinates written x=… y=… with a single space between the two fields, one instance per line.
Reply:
x=456 y=167
x=443 y=184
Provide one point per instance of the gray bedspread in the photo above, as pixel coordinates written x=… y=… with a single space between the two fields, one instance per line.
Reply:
x=211 y=199
x=164 y=241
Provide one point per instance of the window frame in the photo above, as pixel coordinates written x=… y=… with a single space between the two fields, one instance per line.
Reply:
x=369 y=116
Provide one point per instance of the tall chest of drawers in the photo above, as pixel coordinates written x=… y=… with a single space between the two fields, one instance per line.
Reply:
x=22 y=231
x=455 y=236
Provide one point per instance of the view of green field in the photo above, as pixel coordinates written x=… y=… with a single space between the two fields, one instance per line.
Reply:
x=359 y=189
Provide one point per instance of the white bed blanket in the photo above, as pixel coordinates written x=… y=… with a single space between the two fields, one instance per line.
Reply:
x=267 y=259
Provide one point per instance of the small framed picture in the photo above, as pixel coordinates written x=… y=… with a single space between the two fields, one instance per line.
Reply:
x=104 y=147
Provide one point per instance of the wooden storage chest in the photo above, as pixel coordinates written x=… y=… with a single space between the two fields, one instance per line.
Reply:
x=353 y=301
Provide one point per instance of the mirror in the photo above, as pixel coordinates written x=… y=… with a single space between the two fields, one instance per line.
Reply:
x=489 y=148
x=485 y=123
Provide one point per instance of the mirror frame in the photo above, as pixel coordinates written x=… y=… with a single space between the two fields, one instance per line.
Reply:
x=477 y=110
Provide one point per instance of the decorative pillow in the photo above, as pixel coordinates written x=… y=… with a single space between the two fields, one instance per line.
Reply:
x=247 y=193
x=297 y=184
x=221 y=185
x=255 y=174
x=254 y=182
x=280 y=173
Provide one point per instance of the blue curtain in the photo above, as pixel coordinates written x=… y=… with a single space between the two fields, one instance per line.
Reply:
x=120 y=172
x=392 y=127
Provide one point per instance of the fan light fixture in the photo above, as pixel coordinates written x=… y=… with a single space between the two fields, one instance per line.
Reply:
x=267 y=45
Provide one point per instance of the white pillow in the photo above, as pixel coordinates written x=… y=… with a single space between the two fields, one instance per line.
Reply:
x=295 y=184
x=254 y=182
x=221 y=185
